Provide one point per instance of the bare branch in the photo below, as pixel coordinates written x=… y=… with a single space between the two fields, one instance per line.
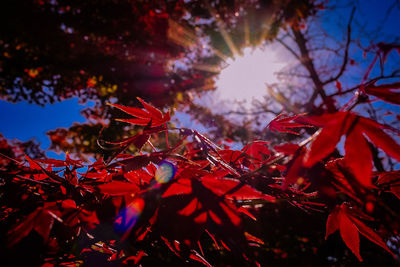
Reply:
x=346 y=51
x=308 y=63
x=244 y=113
x=289 y=49
x=291 y=74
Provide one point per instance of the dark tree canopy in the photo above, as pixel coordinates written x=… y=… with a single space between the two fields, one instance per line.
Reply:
x=53 y=50
x=118 y=50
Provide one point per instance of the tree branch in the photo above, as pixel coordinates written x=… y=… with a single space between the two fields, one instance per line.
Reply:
x=244 y=113
x=289 y=49
x=346 y=51
x=307 y=62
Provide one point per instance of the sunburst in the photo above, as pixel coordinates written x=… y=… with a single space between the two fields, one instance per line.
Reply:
x=242 y=76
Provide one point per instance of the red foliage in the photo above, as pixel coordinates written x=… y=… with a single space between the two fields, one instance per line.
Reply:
x=194 y=187
x=281 y=124
x=385 y=92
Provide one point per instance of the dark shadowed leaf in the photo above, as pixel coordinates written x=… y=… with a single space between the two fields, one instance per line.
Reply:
x=116 y=188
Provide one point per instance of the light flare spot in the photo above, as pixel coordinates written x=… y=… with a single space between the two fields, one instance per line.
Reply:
x=128 y=216
x=165 y=172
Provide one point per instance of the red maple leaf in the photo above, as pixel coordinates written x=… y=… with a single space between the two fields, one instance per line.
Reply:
x=385 y=92
x=343 y=219
x=356 y=128
x=144 y=116
x=281 y=124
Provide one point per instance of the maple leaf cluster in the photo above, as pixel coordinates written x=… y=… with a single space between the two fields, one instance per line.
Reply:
x=193 y=188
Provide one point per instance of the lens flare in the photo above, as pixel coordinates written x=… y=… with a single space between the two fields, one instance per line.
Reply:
x=128 y=216
x=165 y=172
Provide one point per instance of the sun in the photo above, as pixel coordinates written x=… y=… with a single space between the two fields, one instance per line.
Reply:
x=245 y=76
x=239 y=79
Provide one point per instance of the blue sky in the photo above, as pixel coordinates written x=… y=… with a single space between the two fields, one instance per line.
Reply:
x=25 y=121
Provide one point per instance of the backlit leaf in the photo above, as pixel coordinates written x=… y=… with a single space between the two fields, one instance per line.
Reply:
x=349 y=234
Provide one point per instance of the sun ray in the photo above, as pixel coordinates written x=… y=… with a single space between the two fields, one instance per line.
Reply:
x=219 y=54
x=265 y=28
x=246 y=33
x=181 y=35
x=187 y=38
x=207 y=67
x=221 y=27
